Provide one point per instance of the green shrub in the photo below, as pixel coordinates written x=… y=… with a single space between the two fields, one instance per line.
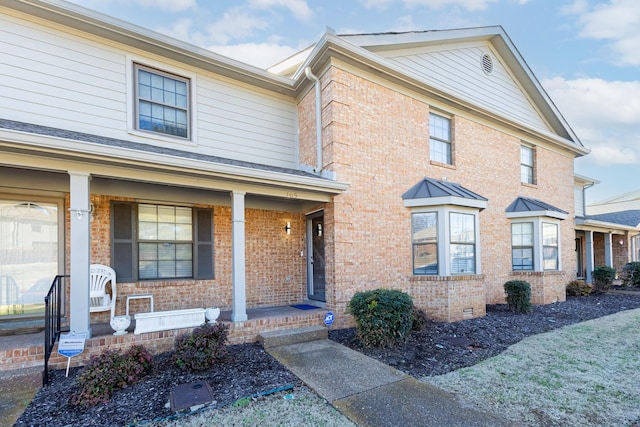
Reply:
x=384 y=317
x=110 y=371
x=518 y=295
x=603 y=278
x=577 y=288
x=202 y=348
x=631 y=274
x=418 y=319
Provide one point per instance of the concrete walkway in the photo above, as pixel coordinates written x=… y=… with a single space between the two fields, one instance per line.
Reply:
x=371 y=393
x=17 y=389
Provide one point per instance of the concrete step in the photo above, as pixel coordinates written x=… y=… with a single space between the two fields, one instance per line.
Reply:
x=278 y=338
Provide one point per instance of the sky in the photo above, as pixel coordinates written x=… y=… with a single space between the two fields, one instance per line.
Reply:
x=585 y=53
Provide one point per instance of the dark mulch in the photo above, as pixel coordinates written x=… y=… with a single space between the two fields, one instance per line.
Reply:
x=438 y=349
x=446 y=347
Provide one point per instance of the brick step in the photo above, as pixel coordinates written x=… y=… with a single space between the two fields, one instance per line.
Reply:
x=272 y=339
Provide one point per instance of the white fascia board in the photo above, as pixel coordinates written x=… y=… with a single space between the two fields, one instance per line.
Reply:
x=612 y=226
x=535 y=214
x=163 y=161
x=447 y=200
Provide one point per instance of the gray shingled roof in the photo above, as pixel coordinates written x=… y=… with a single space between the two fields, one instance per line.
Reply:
x=429 y=187
x=630 y=218
x=112 y=142
x=527 y=204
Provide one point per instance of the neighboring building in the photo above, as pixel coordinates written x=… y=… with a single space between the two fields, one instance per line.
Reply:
x=607 y=232
x=432 y=162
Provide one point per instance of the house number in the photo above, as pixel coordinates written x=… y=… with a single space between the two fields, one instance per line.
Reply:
x=292 y=195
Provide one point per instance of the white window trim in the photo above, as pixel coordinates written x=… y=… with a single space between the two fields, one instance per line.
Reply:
x=538 y=262
x=132 y=129
x=444 y=237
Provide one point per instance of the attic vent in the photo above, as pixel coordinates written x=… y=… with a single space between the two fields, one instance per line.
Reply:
x=487 y=63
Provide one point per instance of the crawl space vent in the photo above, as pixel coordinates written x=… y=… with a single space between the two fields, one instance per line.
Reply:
x=487 y=63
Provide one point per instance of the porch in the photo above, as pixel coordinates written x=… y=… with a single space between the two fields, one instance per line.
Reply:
x=27 y=350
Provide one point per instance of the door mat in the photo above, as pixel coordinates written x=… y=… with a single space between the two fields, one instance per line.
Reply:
x=304 y=306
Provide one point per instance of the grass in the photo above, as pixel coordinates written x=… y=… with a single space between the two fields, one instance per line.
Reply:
x=585 y=375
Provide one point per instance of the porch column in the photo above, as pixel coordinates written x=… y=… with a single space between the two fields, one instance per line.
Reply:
x=239 y=303
x=589 y=260
x=79 y=321
x=608 y=250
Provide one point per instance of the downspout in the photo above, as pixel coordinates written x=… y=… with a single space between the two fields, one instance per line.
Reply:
x=316 y=80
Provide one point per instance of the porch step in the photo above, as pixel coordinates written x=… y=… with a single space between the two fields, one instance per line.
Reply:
x=272 y=339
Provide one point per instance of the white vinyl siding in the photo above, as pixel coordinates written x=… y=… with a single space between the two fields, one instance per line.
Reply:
x=458 y=71
x=69 y=80
x=578 y=196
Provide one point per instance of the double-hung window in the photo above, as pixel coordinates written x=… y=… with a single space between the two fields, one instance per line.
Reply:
x=162 y=102
x=527 y=162
x=444 y=242
x=550 y=257
x=522 y=246
x=161 y=242
x=535 y=245
x=462 y=250
x=440 y=139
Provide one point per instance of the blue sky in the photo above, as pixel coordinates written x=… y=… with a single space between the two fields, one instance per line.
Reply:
x=584 y=52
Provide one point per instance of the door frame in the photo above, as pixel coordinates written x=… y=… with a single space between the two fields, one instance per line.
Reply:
x=310 y=273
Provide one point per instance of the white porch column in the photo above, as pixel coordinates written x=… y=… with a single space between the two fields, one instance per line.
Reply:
x=608 y=250
x=589 y=260
x=79 y=321
x=239 y=303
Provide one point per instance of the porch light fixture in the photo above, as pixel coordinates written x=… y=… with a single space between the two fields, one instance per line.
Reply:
x=287 y=227
x=621 y=241
x=319 y=230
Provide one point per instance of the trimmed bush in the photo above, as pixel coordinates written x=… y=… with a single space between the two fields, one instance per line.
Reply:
x=603 y=278
x=631 y=274
x=108 y=372
x=518 y=295
x=384 y=317
x=418 y=319
x=577 y=288
x=202 y=348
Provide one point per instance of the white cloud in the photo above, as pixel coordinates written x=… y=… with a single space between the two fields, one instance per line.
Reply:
x=299 y=8
x=604 y=114
x=438 y=4
x=170 y=5
x=261 y=55
x=616 y=22
x=235 y=24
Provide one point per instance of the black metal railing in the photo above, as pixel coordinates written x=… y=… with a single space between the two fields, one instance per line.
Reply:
x=52 y=321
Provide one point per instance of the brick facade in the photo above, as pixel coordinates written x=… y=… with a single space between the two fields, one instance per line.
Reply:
x=376 y=138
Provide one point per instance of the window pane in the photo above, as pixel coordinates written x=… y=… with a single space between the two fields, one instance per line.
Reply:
x=526 y=155
x=166 y=252
x=550 y=258
x=425 y=258
x=439 y=127
x=522 y=234
x=549 y=234
x=166 y=269
x=162 y=103
x=522 y=258
x=439 y=151
x=462 y=228
x=147 y=231
x=184 y=269
x=424 y=227
x=462 y=259
x=183 y=232
x=148 y=252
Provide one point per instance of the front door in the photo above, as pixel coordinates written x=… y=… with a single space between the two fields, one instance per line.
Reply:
x=315 y=257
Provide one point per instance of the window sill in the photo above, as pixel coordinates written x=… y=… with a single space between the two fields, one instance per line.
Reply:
x=160 y=137
x=443 y=165
x=526 y=184
x=457 y=278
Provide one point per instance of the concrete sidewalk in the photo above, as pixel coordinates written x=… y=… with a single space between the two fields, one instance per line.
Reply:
x=371 y=393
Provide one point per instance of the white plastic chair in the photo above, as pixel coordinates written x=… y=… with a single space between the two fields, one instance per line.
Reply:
x=99 y=299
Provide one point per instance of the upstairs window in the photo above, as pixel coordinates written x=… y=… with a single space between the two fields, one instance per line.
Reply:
x=440 y=139
x=162 y=102
x=527 y=156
